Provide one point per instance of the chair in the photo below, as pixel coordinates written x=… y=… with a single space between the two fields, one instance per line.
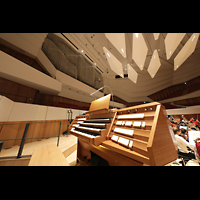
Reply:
x=186 y=156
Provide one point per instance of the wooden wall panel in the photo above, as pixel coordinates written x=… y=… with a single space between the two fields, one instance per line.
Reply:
x=40 y=129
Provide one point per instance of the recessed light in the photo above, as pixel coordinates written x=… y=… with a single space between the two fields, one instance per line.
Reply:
x=136 y=35
x=82 y=51
x=122 y=50
x=108 y=55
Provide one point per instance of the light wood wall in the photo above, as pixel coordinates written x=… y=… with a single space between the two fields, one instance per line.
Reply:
x=41 y=128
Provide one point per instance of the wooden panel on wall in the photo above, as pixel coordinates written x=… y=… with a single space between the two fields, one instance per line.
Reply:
x=15 y=130
x=16 y=92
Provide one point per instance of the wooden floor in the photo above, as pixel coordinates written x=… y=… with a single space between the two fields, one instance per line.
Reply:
x=67 y=144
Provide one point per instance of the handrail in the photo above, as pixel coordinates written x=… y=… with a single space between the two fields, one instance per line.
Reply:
x=19 y=155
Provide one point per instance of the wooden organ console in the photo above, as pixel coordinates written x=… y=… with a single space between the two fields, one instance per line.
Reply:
x=137 y=135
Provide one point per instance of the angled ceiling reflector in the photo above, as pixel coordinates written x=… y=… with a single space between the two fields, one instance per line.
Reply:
x=115 y=65
x=172 y=41
x=118 y=40
x=186 y=51
x=156 y=35
x=154 y=64
x=132 y=74
x=140 y=50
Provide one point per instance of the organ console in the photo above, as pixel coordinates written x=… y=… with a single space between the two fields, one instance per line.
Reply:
x=137 y=135
x=94 y=125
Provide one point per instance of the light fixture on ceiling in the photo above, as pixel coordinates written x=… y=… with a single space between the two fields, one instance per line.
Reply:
x=136 y=35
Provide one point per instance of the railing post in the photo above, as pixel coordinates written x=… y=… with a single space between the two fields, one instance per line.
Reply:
x=23 y=141
x=59 y=134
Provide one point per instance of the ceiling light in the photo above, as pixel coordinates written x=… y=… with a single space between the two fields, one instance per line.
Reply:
x=136 y=34
x=122 y=50
x=82 y=51
x=108 y=55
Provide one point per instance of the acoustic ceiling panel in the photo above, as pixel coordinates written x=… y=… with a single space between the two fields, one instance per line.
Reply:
x=156 y=35
x=140 y=50
x=115 y=64
x=118 y=40
x=186 y=51
x=154 y=64
x=132 y=74
x=172 y=41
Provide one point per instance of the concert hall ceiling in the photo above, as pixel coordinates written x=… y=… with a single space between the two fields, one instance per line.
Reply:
x=138 y=67
x=159 y=61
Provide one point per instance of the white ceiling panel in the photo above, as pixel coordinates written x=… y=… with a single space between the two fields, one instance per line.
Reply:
x=172 y=41
x=118 y=40
x=156 y=35
x=186 y=51
x=115 y=64
x=132 y=74
x=140 y=50
x=154 y=64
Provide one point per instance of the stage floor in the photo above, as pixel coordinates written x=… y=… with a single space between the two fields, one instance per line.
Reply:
x=67 y=144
